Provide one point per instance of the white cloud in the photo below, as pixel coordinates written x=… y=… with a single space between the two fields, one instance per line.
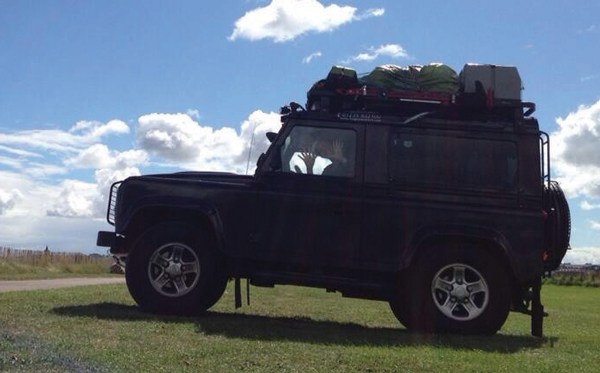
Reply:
x=575 y=152
x=590 y=29
x=583 y=255
x=585 y=205
x=369 y=13
x=111 y=166
x=11 y=162
x=284 y=20
x=41 y=170
x=394 y=51
x=178 y=138
x=82 y=125
x=74 y=200
x=309 y=58
x=194 y=113
x=9 y=199
x=25 y=223
x=96 y=156
x=99 y=156
x=82 y=134
x=36 y=197
x=595 y=225
x=19 y=152
x=590 y=77
x=78 y=199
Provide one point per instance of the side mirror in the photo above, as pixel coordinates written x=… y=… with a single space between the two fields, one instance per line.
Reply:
x=271 y=136
x=260 y=160
x=276 y=160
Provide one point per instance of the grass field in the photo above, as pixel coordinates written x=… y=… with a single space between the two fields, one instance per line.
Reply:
x=31 y=264
x=286 y=329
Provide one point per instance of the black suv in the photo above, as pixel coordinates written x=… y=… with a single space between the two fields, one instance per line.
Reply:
x=449 y=216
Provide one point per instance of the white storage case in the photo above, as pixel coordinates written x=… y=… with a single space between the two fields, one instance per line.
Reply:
x=504 y=81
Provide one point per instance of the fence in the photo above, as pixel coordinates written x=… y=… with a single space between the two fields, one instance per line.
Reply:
x=47 y=258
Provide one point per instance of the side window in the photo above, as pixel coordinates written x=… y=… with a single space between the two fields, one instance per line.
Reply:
x=319 y=151
x=453 y=162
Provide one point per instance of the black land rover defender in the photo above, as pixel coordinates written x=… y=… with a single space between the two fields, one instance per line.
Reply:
x=446 y=212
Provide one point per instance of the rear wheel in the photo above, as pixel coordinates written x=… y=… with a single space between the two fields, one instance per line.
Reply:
x=457 y=290
x=175 y=270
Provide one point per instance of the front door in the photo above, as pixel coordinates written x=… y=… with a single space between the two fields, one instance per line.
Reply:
x=309 y=210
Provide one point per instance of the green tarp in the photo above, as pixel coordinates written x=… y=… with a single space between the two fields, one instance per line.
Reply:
x=434 y=77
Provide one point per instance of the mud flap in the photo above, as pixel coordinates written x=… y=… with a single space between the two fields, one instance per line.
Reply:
x=247 y=291
x=537 y=310
x=238 y=293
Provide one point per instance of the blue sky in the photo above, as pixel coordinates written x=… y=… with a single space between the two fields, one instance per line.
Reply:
x=97 y=90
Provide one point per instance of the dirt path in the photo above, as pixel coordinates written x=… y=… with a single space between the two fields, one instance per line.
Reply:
x=57 y=283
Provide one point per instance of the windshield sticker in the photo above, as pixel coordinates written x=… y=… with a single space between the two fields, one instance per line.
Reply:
x=360 y=117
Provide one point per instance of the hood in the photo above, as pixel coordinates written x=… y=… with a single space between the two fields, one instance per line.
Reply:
x=201 y=175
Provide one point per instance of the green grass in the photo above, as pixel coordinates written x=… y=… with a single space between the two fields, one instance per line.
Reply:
x=286 y=329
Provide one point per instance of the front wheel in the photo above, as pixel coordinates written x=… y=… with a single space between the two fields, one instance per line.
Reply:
x=458 y=290
x=173 y=269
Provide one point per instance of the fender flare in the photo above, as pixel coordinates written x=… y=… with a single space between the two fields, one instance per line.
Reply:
x=198 y=208
x=429 y=234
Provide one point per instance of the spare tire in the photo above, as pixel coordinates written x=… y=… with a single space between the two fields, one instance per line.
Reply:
x=558 y=226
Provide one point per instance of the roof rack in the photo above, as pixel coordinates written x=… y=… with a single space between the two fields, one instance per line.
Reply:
x=477 y=95
x=460 y=104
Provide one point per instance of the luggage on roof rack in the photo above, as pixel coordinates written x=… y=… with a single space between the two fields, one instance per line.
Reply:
x=435 y=77
x=486 y=89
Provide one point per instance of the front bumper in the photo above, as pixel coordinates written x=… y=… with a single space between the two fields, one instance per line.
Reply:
x=110 y=239
x=106 y=239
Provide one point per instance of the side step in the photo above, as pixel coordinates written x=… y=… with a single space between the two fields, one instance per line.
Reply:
x=348 y=287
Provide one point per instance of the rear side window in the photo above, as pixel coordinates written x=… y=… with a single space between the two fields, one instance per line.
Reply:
x=444 y=161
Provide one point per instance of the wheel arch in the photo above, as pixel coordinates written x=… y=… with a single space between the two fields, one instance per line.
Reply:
x=202 y=216
x=482 y=238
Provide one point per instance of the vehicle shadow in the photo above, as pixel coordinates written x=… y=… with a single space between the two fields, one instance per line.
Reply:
x=307 y=330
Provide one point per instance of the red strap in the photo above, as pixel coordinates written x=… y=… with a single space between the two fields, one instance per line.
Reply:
x=489 y=98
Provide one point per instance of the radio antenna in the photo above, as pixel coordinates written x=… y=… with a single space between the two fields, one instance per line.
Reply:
x=250 y=150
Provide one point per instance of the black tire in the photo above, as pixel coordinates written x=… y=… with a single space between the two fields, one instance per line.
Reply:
x=398 y=303
x=558 y=227
x=472 y=306
x=182 y=293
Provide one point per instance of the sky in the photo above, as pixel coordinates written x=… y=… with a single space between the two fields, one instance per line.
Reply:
x=94 y=91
